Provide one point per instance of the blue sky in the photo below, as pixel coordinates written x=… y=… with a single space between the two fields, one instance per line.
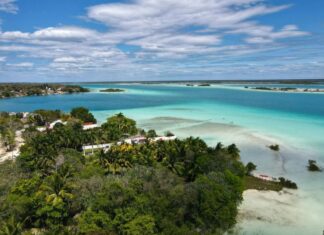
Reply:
x=97 y=40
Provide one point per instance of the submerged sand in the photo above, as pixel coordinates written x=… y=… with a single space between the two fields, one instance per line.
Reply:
x=262 y=212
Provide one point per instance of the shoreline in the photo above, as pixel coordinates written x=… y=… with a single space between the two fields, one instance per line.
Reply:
x=266 y=206
x=259 y=209
x=24 y=96
x=289 y=91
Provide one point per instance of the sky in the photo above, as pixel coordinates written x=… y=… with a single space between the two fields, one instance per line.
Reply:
x=135 y=40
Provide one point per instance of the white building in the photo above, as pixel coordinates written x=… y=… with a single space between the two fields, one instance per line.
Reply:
x=92 y=148
x=89 y=149
x=51 y=125
x=88 y=126
x=164 y=138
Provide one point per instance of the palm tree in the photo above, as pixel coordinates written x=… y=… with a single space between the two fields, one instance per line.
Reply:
x=56 y=190
x=114 y=161
x=233 y=151
x=12 y=227
x=8 y=137
x=174 y=154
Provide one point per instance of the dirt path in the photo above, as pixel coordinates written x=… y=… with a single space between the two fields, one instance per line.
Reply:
x=11 y=155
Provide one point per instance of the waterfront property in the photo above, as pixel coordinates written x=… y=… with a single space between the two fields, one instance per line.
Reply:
x=89 y=125
x=265 y=177
x=91 y=149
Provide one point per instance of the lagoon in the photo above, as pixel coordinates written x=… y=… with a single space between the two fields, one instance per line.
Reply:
x=231 y=114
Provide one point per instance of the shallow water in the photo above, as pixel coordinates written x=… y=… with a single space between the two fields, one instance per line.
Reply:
x=231 y=114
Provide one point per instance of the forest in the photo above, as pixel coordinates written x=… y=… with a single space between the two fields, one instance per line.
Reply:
x=155 y=187
x=8 y=90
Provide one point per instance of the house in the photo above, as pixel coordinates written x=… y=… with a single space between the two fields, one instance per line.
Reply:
x=265 y=177
x=136 y=140
x=51 y=125
x=41 y=128
x=89 y=125
x=89 y=149
x=164 y=138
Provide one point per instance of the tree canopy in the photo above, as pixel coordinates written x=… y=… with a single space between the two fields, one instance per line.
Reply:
x=164 y=187
x=83 y=114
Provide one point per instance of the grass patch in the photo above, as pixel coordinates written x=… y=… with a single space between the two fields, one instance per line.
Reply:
x=251 y=182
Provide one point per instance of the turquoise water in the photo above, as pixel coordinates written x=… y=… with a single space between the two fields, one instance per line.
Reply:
x=227 y=113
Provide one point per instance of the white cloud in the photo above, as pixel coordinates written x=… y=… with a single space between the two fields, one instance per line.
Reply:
x=66 y=33
x=68 y=59
x=3 y=58
x=8 y=6
x=10 y=35
x=22 y=65
x=185 y=26
x=63 y=33
x=267 y=34
x=165 y=14
x=151 y=34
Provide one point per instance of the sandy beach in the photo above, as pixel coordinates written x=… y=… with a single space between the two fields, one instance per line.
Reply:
x=286 y=212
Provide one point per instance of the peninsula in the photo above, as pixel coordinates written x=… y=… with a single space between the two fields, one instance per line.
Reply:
x=288 y=89
x=19 y=90
x=68 y=175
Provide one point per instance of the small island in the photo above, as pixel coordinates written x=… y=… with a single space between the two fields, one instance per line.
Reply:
x=312 y=166
x=204 y=84
x=274 y=147
x=112 y=90
x=9 y=90
x=264 y=182
x=287 y=89
x=201 y=84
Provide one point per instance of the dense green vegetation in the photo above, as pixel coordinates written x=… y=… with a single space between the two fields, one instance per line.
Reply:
x=42 y=117
x=112 y=90
x=18 y=90
x=204 y=84
x=287 y=183
x=274 y=88
x=83 y=114
x=9 y=124
x=274 y=147
x=312 y=166
x=171 y=187
x=254 y=182
x=250 y=167
x=251 y=182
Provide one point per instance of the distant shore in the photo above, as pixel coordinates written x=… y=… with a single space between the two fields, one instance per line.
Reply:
x=22 y=90
x=112 y=90
x=287 y=89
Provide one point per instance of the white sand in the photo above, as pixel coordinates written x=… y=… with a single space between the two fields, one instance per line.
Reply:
x=286 y=212
x=4 y=155
x=264 y=212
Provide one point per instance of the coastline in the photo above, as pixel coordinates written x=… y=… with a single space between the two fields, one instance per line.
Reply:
x=284 y=212
x=252 y=129
x=260 y=209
